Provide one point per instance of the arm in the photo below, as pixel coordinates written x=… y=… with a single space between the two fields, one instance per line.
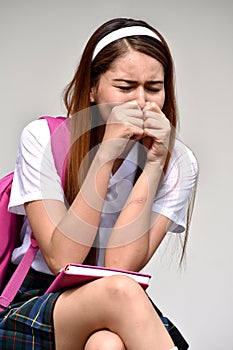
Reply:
x=129 y=243
x=66 y=235
x=134 y=238
x=138 y=231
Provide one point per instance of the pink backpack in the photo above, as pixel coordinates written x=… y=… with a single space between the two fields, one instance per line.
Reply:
x=10 y=224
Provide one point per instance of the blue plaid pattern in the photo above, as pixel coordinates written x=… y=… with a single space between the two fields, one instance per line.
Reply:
x=28 y=323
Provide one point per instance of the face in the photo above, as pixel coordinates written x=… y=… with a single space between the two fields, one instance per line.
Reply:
x=135 y=76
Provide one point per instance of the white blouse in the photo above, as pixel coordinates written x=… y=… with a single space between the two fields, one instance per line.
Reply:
x=36 y=178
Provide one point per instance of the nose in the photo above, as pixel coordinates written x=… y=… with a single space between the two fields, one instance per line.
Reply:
x=141 y=96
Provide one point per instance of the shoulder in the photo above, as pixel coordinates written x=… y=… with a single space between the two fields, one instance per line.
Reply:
x=36 y=130
x=35 y=137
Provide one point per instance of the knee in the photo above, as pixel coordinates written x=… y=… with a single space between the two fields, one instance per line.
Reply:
x=123 y=287
x=104 y=340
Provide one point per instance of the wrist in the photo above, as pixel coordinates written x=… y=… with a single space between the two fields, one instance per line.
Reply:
x=103 y=156
x=156 y=165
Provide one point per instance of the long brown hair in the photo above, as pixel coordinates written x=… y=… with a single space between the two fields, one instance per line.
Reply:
x=77 y=94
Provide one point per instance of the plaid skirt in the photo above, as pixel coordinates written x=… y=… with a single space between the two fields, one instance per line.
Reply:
x=28 y=323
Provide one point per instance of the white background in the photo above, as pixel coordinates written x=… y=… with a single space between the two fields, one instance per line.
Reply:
x=41 y=42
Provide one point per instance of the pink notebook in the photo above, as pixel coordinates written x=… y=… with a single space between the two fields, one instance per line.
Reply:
x=76 y=274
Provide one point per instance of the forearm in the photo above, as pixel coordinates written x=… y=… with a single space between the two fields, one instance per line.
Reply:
x=73 y=237
x=128 y=245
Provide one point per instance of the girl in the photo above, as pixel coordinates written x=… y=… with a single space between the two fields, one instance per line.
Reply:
x=128 y=181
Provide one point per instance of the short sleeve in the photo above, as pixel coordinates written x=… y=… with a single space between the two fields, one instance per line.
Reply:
x=172 y=198
x=35 y=175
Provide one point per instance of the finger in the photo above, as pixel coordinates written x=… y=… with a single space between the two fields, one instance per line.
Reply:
x=158 y=135
x=152 y=106
x=127 y=118
x=131 y=104
x=134 y=133
x=156 y=123
x=123 y=112
x=138 y=124
x=161 y=136
x=127 y=105
x=137 y=113
x=153 y=112
x=131 y=108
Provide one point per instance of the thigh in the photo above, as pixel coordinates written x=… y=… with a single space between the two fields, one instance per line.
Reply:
x=80 y=312
x=104 y=340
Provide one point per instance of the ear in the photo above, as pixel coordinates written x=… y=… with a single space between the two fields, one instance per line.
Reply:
x=92 y=95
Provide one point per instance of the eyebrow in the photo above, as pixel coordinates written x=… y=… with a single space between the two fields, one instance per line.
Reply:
x=151 y=82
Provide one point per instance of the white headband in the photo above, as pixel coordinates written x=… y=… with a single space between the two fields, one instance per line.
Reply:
x=122 y=33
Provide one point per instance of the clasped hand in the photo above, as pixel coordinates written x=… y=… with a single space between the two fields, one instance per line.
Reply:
x=128 y=122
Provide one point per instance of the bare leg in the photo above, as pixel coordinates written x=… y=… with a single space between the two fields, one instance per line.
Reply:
x=104 y=340
x=116 y=303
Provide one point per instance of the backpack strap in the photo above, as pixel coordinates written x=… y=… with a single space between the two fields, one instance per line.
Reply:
x=60 y=130
x=18 y=276
x=60 y=151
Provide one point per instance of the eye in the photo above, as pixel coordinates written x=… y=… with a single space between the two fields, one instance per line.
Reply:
x=153 y=90
x=124 y=88
x=154 y=87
